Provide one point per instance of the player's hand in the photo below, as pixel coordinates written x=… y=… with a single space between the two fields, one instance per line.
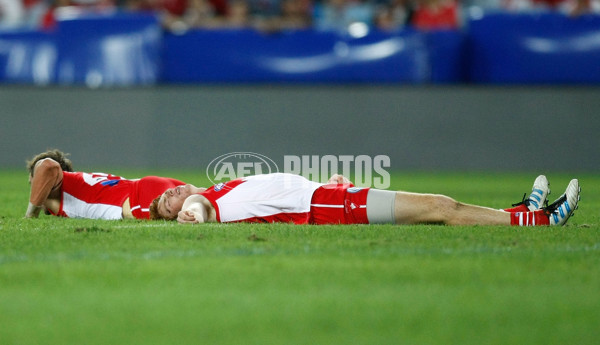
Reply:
x=33 y=211
x=338 y=179
x=186 y=217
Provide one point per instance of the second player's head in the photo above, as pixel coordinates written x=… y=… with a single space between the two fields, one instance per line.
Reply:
x=54 y=154
x=169 y=203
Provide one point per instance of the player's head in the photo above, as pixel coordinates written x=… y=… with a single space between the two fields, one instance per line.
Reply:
x=169 y=203
x=54 y=154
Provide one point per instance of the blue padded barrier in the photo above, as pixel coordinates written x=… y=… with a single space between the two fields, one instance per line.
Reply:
x=447 y=56
x=295 y=56
x=104 y=50
x=131 y=49
x=534 y=49
x=27 y=57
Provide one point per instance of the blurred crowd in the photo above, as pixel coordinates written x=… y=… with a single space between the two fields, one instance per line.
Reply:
x=275 y=15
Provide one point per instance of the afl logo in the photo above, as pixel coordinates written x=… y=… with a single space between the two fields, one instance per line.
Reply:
x=354 y=189
x=239 y=164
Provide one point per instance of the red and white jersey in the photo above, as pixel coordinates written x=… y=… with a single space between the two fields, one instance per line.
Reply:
x=101 y=196
x=145 y=190
x=268 y=198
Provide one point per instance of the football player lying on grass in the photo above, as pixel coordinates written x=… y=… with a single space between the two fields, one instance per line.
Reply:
x=59 y=191
x=293 y=199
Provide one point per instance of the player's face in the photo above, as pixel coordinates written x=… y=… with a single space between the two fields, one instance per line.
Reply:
x=172 y=199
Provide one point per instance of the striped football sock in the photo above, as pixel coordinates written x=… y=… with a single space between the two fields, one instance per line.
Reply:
x=534 y=218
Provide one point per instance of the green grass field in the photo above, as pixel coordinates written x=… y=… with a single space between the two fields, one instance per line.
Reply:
x=65 y=281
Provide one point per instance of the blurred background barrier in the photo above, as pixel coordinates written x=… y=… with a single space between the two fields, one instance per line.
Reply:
x=535 y=48
x=125 y=49
x=296 y=56
x=117 y=49
x=305 y=92
x=120 y=49
x=472 y=128
x=28 y=57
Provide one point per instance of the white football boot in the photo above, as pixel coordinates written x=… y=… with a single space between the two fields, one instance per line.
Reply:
x=539 y=193
x=562 y=208
x=537 y=199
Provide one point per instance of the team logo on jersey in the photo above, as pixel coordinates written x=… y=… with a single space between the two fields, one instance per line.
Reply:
x=354 y=189
x=219 y=186
x=110 y=183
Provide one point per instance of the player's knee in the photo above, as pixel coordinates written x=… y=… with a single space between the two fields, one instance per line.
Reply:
x=444 y=207
x=425 y=208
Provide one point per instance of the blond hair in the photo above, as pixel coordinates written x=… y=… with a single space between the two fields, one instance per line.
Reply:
x=154 y=214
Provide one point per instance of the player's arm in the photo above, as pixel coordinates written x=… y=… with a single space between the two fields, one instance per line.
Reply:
x=47 y=178
x=338 y=179
x=196 y=209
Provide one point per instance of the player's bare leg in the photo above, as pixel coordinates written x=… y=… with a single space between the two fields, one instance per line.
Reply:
x=414 y=208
